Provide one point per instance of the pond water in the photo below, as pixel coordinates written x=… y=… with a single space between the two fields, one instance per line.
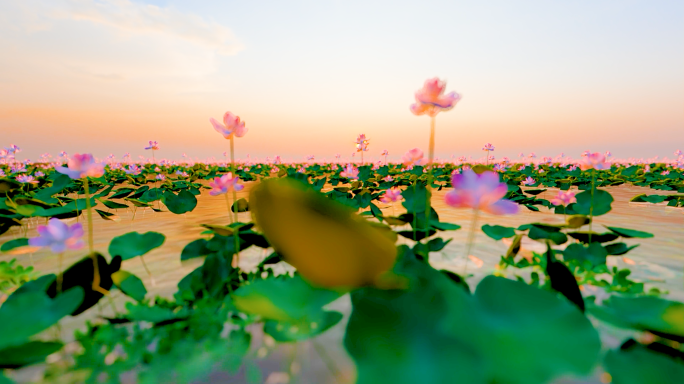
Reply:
x=658 y=261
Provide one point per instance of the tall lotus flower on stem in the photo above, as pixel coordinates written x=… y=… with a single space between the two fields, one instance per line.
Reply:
x=431 y=100
x=481 y=192
x=232 y=126
x=59 y=237
x=362 y=145
x=154 y=146
x=221 y=186
x=82 y=167
x=594 y=161
x=488 y=148
x=385 y=153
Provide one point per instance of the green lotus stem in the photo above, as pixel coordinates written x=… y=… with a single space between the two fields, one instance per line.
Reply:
x=471 y=240
x=96 y=266
x=230 y=214
x=431 y=155
x=236 y=234
x=148 y=271
x=60 y=278
x=431 y=150
x=591 y=206
x=232 y=169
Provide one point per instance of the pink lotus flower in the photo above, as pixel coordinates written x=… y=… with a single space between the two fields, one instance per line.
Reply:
x=594 y=161
x=412 y=157
x=480 y=192
x=310 y=157
x=133 y=170
x=58 y=236
x=153 y=146
x=528 y=181
x=80 y=166
x=350 y=172
x=160 y=177
x=388 y=178
x=488 y=147
x=391 y=195
x=224 y=184
x=532 y=155
x=564 y=198
x=27 y=179
x=431 y=100
x=231 y=125
x=678 y=153
x=664 y=173
x=384 y=153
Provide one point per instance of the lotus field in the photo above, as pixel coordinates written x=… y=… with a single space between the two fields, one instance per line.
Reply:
x=493 y=270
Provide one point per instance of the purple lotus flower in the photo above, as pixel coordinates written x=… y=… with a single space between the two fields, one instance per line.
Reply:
x=225 y=183
x=483 y=192
x=58 y=236
x=27 y=179
x=488 y=147
x=153 y=145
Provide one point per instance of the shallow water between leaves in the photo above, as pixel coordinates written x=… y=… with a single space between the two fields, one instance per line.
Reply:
x=658 y=262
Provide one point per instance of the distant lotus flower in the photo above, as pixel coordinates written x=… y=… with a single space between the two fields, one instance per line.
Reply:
x=224 y=184
x=13 y=149
x=275 y=170
x=481 y=192
x=564 y=198
x=608 y=154
x=665 y=173
x=2 y=173
x=231 y=125
x=678 y=153
x=310 y=157
x=532 y=155
x=153 y=146
x=27 y=179
x=181 y=173
x=384 y=153
x=529 y=181
x=301 y=170
x=337 y=156
x=572 y=167
x=17 y=168
x=647 y=168
x=80 y=166
x=388 y=178
x=412 y=157
x=58 y=236
x=431 y=99
x=161 y=177
x=488 y=147
x=391 y=195
x=594 y=161
x=133 y=170
x=39 y=174
x=499 y=168
x=350 y=172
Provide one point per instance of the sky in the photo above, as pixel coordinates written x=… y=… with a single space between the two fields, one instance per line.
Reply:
x=308 y=76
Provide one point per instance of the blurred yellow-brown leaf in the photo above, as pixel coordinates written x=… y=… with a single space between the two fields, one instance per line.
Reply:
x=326 y=241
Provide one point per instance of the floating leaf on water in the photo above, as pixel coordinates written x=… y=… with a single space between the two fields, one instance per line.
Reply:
x=134 y=244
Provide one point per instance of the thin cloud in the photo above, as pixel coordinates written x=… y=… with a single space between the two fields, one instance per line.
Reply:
x=127 y=16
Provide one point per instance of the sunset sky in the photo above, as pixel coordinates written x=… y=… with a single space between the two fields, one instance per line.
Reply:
x=106 y=76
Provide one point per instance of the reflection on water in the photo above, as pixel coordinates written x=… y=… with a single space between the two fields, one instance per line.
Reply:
x=659 y=260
